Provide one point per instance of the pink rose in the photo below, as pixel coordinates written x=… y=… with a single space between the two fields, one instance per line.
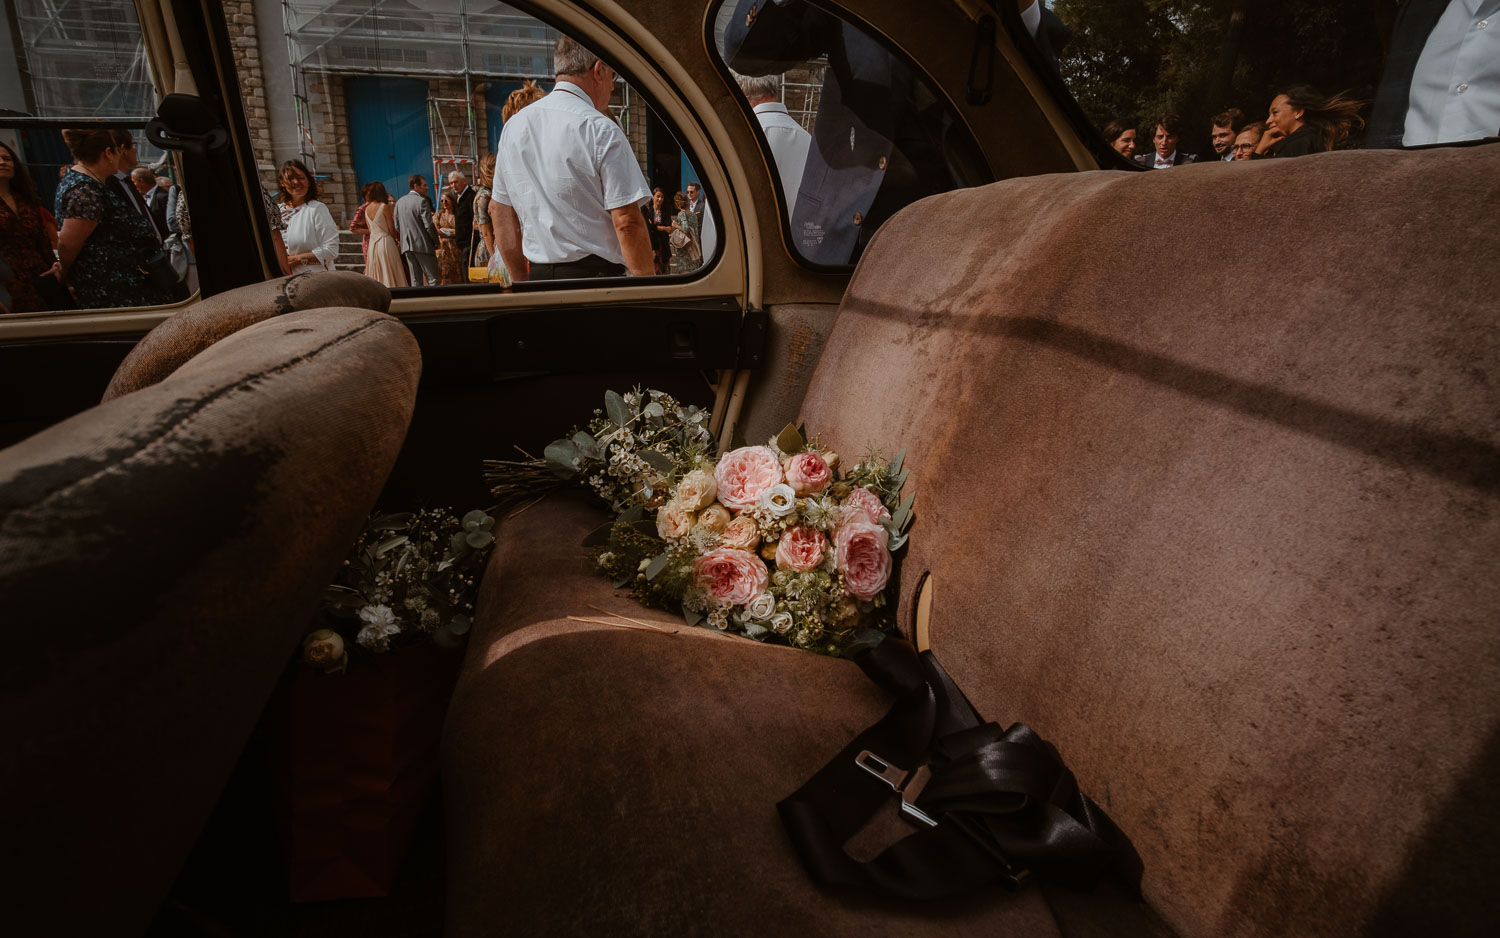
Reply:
x=743 y=474
x=861 y=555
x=808 y=474
x=731 y=576
x=800 y=548
x=742 y=534
x=863 y=505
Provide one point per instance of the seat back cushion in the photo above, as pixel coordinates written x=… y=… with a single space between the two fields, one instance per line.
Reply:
x=160 y=557
x=1206 y=465
x=185 y=334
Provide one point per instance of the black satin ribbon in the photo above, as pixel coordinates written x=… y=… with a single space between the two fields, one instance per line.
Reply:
x=1005 y=803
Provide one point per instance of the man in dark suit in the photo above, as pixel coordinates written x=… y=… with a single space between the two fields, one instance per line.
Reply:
x=463 y=214
x=1412 y=102
x=1166 y=155
x=154 y=197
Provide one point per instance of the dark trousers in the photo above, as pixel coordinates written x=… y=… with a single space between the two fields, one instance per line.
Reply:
x=591 y=266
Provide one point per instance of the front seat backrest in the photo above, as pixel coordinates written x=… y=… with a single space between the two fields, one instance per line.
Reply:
x=160 y=555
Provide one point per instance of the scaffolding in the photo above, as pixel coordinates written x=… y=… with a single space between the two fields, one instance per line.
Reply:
x=468 y=40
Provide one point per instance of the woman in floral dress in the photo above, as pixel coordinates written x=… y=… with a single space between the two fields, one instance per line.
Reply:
x=104 y=244
x=685 y=259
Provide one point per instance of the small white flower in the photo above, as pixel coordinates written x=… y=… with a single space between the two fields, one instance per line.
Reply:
x=761 y=606
x=779 y=500
x=380 y=625
x=781 y=622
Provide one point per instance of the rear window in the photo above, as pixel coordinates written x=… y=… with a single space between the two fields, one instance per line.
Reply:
x=854 y=131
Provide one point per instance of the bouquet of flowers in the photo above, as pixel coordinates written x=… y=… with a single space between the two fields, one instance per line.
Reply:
x=777 y=542
x=409 y=577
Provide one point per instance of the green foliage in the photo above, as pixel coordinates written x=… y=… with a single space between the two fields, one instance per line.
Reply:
x=1133 y=59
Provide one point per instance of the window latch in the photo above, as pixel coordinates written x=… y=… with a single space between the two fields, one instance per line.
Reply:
x=982 y=62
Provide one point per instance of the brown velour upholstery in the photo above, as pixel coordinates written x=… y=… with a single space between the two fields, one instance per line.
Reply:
x=159 y=557
x=1215 y=512
x=189 y=332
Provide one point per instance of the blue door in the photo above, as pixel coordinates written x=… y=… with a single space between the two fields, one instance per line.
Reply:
x=388 y=130
x=495 y=93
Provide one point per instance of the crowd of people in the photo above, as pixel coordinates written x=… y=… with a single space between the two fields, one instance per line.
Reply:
x=117 y=233
x=1299 y=121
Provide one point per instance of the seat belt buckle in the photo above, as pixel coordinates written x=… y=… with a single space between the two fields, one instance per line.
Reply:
x=908 y=785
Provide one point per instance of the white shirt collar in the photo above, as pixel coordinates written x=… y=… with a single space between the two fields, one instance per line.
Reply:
x=1159 y=160
x=770 y=107
x=573 y=91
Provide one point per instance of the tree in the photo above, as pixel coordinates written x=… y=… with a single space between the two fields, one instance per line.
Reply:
x=1134 y=59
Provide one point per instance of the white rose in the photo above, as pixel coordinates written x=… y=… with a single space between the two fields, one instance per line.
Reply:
x=781 y=622
x=380 y=625
x=761 y=606
x=780 y=500
x=697 y=490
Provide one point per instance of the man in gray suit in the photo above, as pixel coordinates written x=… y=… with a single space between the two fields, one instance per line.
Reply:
x=418 y=237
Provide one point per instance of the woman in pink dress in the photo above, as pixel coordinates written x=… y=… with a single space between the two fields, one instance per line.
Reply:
x=383 y=261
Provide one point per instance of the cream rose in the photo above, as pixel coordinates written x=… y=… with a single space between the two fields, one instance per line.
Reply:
x=863 y=505
x=761 y=606
x=673 y=521
x=743 y=474
x=800 y=548
x=731 y=576
x=324 y=649
x=861 y=554
x=741 y=534
x=779 y=500
x=808 y=474
x=714 y=519
x=697 y=490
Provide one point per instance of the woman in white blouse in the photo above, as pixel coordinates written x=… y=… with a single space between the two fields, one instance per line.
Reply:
x=312 y=239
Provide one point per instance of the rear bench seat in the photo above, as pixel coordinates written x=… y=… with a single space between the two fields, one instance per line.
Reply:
x=1207 y=466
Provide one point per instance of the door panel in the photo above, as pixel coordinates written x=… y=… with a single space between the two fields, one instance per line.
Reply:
x=388 y=129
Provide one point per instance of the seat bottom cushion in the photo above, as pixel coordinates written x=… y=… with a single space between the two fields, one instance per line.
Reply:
x=623 y=781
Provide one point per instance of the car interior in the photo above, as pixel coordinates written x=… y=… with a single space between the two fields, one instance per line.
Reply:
x=1206 y=464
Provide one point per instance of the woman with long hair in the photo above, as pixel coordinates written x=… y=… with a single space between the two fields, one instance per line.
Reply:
x=1121 y=136
x=1311 y=122
x=449 y=258
x=104 y=246
x=360 y=225
x=384 y=257
x=484 y=232
x=24 y=244
x=686 y=255
x=312 y=239
x=659 y=220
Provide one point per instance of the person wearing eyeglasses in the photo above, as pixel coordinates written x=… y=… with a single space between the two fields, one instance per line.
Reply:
x=1248 y=140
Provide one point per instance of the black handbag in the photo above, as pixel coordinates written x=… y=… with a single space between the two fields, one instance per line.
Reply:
x=159 y=272
x=52 y=293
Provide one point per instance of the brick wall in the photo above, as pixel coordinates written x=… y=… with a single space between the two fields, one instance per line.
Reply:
x=244 y=44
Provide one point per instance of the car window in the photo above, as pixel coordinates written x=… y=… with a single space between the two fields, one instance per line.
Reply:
x=111 y=230
x=407 y=106
x=1180 y=81
x=853 y=129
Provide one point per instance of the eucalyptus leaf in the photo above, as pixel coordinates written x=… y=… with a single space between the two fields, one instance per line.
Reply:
x=895 y=465
x=898 y=542
x=863 y=640
x=633 y=513
x=458 y=544
x=614 y=405
x=393 y=522
x=621 y=582
x=390 y=544
x=459 y=624
x=661 y=462
x=599 y=536
x=479 y=539
x=900 y=479
x=756 y=631
x=562 y=458
x=654 y=412
x=790 y=440
x=477 y=520
x=692 y=617
x=587 y=445
x=657 y=566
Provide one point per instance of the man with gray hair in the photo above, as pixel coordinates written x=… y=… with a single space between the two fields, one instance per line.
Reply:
x=567 y=188
x=463 y=215
x=786 y=138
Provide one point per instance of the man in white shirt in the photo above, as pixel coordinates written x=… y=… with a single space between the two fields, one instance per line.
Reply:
x=788 y=141
x=1442 y=76
x=567 y=188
